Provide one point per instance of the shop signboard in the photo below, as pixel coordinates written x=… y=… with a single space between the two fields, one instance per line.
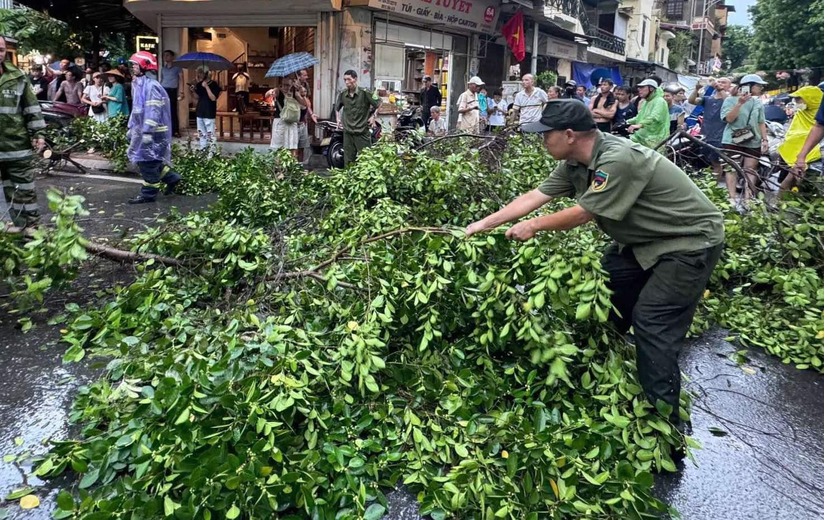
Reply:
x=147 y=43
x=562 y=49
x=462 y=15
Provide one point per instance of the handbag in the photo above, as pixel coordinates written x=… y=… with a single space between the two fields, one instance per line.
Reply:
x=99 y=109
x=743 y=134
x=290 y=111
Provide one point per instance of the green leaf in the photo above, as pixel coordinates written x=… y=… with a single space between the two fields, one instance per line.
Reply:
x=20 y=493
x=183 y=417
x=65 y=501
x=374 y=512
x=89 y=478
x=233 y=512
x=170 y=506
x=583 y=311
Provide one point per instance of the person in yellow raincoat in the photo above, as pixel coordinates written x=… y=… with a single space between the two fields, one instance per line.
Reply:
x=807 y=101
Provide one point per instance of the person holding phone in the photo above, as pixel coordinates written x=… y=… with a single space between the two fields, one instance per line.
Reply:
x=745 y=134
x=206 y=92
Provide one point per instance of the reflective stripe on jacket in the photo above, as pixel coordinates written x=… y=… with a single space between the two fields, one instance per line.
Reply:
x=20 y=116
x=151 y=117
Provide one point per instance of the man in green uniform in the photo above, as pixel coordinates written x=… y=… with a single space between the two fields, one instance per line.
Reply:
x=358 y=105
x=20 y=123
x=667 y=234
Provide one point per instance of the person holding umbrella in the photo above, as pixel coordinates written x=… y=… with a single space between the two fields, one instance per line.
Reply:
x=206 y=93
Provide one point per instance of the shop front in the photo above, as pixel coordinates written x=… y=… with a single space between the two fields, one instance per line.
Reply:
x=412 y=39
x=249 y=33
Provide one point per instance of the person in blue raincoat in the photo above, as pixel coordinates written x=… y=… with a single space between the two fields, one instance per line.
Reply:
x=150 y=131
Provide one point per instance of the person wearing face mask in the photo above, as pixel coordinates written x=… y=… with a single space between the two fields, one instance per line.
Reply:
x=651 y=126
x=808 y=102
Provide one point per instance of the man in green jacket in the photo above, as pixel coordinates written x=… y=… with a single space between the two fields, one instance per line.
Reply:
x=652 y=125
x=20 y=123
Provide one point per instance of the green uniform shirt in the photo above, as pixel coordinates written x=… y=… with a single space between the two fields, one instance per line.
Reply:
x=640 y=199
x=357 y=107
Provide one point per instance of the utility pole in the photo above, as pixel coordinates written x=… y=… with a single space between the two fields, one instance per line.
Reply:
x=705 y=8
x=534 y=58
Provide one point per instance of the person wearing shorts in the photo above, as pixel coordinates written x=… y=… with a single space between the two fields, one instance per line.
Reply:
x=744 y=114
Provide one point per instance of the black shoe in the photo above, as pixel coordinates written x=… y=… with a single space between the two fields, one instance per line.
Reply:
x=140 y=199
x=171 y=188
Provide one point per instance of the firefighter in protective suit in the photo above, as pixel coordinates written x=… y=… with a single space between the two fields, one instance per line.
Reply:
x=150 y=130
x=20 y=123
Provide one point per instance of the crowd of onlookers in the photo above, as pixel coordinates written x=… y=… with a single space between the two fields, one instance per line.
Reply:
x=104 y=90
x=728 y=115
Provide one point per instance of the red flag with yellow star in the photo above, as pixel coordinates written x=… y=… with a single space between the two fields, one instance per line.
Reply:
x=513 y=32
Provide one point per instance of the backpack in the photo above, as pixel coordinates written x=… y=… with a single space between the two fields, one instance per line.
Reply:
x=290 y=111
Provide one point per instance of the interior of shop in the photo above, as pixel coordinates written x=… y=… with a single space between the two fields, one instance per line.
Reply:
x=253 y=49
x=403 y=56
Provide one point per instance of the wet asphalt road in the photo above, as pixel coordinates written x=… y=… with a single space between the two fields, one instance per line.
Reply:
x=760 y=424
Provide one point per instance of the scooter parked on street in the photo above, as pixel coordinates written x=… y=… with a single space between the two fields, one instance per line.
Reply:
x=332 y=145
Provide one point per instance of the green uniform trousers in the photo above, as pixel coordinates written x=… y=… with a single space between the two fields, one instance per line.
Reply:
x=660 y=304
x=353 y=144
x=18 y=188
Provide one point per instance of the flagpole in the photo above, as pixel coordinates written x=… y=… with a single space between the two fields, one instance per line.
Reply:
x=534 y=59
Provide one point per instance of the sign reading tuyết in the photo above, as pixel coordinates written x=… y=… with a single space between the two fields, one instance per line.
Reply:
x=466 y=15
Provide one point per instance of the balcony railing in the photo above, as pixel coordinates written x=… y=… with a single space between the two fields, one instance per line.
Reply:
x=604 y=40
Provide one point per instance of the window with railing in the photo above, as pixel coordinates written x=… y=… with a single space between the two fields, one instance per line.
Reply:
x=675 y=9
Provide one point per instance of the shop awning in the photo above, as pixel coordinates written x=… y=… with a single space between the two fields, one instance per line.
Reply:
x=229 y=13
x=105 y=15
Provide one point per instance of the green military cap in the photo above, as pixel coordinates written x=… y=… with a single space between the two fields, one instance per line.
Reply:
x=562 y=114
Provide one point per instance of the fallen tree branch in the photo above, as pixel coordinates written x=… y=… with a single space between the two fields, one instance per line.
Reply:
x=130 y=257
x=315 y=272
x=109 y=253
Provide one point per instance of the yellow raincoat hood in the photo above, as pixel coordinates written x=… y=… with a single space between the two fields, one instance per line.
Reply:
x=801 y=125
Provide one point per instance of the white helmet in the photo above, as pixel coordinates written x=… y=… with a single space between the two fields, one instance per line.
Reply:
x=648 y=83
x=475 y=80
x=752 y=78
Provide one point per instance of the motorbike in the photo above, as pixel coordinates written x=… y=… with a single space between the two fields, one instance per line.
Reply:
x=332 y=145
x=409 y=121
x=620 y=129
x=59 y=115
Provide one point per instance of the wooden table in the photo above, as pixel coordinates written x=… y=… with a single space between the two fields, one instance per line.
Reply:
x=251 y=120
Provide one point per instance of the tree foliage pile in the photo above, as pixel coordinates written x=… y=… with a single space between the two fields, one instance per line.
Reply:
x=324 y=340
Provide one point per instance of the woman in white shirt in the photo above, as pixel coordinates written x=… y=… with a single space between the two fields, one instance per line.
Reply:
x=497 y=111
x=94 y=95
